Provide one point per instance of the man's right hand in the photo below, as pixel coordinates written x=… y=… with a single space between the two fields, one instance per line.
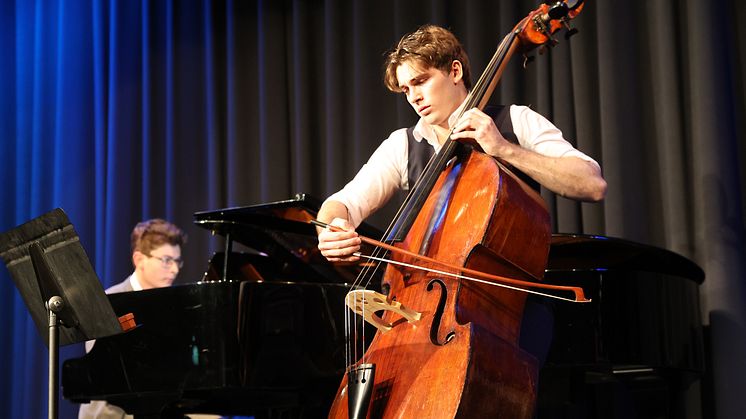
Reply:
x=339 y=246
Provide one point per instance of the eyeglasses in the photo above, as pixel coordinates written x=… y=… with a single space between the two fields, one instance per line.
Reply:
x=166 y=261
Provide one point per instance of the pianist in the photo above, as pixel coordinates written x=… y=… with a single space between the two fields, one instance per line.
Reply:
x=156 y=256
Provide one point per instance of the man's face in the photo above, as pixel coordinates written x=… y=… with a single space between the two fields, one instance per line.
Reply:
x=433 y=94
x=159 y=269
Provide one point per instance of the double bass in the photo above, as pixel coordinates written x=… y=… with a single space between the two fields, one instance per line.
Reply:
x=469 y=242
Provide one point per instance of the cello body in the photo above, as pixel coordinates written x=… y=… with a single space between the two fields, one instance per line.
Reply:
x=461 y=358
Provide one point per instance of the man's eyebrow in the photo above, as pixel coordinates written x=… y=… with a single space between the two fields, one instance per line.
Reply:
x=416 y=77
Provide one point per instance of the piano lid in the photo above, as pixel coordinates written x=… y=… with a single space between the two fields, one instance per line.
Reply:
x=577 y=252
x=281 y=231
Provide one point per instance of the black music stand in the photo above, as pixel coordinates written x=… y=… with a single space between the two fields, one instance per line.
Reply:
x=57 y=282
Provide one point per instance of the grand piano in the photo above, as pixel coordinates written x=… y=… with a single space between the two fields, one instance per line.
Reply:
x=262 y=333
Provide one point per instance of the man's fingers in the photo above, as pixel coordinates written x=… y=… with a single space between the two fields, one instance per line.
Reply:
x=349 y=259
x=340 y=255
x=340 y=251
x=340 y=244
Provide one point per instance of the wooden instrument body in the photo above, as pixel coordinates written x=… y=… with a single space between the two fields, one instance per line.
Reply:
x=461 y=358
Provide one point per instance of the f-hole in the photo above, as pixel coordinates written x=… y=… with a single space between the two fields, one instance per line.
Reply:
x=438 y=315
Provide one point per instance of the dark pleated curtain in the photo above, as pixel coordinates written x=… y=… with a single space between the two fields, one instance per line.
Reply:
x=123 y=110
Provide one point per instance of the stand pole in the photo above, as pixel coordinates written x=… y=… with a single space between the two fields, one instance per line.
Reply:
x=54 y=306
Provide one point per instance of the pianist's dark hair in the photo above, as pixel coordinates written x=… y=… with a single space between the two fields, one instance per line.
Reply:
x=150 y=234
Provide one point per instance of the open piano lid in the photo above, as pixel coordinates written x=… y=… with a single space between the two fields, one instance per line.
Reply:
x=281 y=231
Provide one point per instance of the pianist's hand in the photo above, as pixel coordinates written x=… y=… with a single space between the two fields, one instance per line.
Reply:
x=339 y=246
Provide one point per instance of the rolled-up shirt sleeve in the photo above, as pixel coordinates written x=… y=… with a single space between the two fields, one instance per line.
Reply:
x=378 y=180
x=537 y=134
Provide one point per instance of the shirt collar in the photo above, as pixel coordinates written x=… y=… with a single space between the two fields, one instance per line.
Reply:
x=424 y=130
x=135 y=282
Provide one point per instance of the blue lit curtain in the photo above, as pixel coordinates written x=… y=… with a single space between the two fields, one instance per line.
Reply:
x=123 y=110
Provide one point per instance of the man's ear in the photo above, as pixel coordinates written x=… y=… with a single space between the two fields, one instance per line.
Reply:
x=457 y=71
x=138 y=258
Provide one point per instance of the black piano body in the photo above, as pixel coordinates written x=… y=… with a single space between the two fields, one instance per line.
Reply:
x=263 y=349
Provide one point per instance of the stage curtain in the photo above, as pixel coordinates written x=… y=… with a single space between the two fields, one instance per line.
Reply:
x=124 y=110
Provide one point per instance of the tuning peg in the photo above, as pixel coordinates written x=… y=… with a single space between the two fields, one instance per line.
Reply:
x=569 y=31
x=527 y=59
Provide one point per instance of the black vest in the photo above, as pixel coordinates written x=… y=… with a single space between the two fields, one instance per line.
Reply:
x=420 y=152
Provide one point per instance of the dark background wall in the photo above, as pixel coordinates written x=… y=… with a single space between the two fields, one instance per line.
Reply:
x=120 y=111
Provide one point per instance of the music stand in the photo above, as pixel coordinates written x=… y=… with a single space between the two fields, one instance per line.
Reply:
x=57 y=282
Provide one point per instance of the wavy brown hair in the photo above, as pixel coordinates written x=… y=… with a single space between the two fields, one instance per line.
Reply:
x=151 y=234
x=428 y=46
